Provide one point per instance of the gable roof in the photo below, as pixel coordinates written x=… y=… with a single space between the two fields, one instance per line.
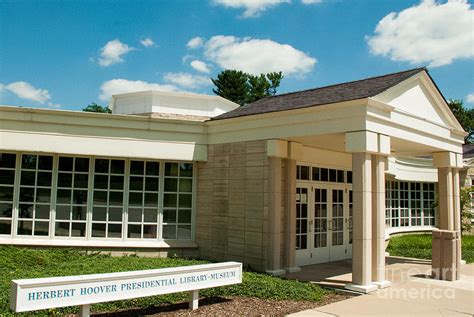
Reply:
x=353 y=90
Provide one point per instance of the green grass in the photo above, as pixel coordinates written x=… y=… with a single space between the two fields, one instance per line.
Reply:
x=19 y=263
x=419 y=246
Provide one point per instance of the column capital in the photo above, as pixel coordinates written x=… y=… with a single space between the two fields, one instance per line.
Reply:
x=367 y=142
x=447 y=159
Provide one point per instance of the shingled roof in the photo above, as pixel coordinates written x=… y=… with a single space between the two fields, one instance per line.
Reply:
x=353 y=90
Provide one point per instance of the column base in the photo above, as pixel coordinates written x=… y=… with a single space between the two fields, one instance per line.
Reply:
x=382 y=284
x=276 y=272
x=361 y=288
x=293 y=269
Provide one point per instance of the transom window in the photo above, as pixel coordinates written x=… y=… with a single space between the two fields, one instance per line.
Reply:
x=321 y=174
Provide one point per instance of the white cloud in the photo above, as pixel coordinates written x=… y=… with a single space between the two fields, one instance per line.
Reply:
x=470 y=98
x=256 y=56
x=195 y=42
x=54 y=105
x=187 y=80
x=25 y=90
x=311 y=1
x=200 y=66
x=147 y=42
x=119 y=86
x=113 y=52
x=429 y=32
x=252 y=8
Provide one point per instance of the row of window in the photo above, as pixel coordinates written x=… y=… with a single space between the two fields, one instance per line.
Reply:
x=63 y=196
x=308 y=173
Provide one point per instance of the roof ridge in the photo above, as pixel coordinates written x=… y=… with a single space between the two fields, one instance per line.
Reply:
x=344 y=83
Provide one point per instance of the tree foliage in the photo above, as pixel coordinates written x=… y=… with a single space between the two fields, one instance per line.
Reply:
x=93 y=107
x=242 y=88
x=465 y=117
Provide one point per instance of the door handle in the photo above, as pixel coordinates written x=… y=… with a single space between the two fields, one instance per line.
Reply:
x=330 y=226
x=310 y=225
x=348 y=223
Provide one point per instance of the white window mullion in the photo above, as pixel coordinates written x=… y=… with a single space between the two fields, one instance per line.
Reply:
x=90 y=190
x=161 y=191
x=16 y=195
x=54 y=187
x=126 y=186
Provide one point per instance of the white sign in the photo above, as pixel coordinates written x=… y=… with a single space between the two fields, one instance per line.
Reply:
x=44 y=293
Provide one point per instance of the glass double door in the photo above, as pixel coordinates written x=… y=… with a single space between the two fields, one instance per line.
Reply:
x=323 y=223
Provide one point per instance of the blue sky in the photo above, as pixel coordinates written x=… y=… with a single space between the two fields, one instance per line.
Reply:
x=66 y=54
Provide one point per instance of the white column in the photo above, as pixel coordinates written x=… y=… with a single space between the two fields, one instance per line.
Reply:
x=378 y=222
x=290 y=217
x=194 y=299
x=362 y=224
x=446 y=201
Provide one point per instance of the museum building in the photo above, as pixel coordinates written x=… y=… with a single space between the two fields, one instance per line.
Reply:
x=290 y=180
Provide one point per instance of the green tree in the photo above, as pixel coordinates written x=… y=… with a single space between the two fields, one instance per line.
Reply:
x=241 y=87
x=93 y=107
x=465 y=117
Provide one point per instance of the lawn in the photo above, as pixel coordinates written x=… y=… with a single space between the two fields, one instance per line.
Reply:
x=19 y=263
x=419 y=246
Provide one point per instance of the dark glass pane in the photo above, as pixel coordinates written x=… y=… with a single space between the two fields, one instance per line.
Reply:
x=64 y=180
x=151 y=200
x=324 y=174
x=151 y=184
x=340 y=176
x=28 y=178
x=5 y=227
x=170 y=200
x=65 y=163
x=45 y=163
x=99 y=213
x=44 y=179
x=117 y=167
x=186 y=170
x=186 y=185
x=80 y=197
x=169 y=215
x=25 y=228
x=136 y=183
x=169 y=232
x=98 y=230
x=41 y=228
x=114 y=231
x=7 y=160
x=101 y=166
x=115 y=198
x=61 y=229
x=79 y=212
x=305 y=172
x=136 y=167
x=42 y=211
x=135 y=199
x=62 y=212
x=7 y=177
x=116 y=182
x=81 y=180
x=26 y=194
x=134 y=215
x=184 y=216
x=25 y=211
x=134 y=231
x=150 y=215
x=115 y=214
x=43 y=195
x=184 y=232
x=78 y=230
x=101 y=181
x=28 y=161
x=100 y=198
x=153 y=168
x=6 y=210
x=315 y=173
x=171 y=185
x=63 y=196
x=149 y=232
x=185 y=200
x=82 y=164
x=332 y=175
x=171 y=169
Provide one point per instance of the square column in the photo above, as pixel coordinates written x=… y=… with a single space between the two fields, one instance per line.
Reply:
x=290 y=218
x=378 y=222
x=362 y=224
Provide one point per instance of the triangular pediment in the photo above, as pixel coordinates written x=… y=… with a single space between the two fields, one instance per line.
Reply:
x=419 y=96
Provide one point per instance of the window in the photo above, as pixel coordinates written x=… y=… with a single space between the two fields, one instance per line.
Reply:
x=328 y=175
x=429 y=204
x=7 y=186
x=143 y=206
x=107 y=202
x=301 y=218
x=302 y=172
x=415 y=204
x=177 y=200
x=35 y=195
x=71 y=197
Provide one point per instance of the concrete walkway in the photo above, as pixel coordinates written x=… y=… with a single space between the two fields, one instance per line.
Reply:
x=412 y=293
